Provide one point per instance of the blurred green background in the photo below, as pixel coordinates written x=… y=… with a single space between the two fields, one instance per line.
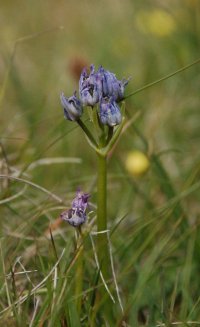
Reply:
x=44 y=45
x=143 y=40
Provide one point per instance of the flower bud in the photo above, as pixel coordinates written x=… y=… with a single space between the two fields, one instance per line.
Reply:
x=89 y=96
x=80 y=202
x=90 y=87
x=109 y=112
x=111 y=86
x=72 y=107
x=76 y=215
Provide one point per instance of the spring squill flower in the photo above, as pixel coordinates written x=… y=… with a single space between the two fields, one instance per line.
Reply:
x=76 y=215
x=90 y=87
x=109 y=112
x=111 y=86
x=89 y=96
x=72 y=107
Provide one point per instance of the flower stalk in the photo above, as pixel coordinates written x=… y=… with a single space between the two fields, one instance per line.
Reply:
x=87 y=133
x=102 y=246
x=102 y=92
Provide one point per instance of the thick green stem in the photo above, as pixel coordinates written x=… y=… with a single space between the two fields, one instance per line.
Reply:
x=102 y=246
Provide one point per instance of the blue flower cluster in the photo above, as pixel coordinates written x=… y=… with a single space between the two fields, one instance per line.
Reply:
x=100 y=87
x=76 y=215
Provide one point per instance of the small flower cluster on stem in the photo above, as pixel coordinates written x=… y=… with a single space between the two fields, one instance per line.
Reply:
x=100 y=88
x=76 y=215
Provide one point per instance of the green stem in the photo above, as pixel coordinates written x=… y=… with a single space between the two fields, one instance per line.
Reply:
x=87 y=132
x=163 y=78
x=102 y=246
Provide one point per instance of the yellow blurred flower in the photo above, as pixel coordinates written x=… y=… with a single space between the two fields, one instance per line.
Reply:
x=157 y=22
x=137 y=163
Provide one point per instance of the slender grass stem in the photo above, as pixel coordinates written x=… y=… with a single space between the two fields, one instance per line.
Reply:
x=79 y=271
x=163 y=78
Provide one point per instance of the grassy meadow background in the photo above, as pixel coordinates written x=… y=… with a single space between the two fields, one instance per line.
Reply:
x=153 y=218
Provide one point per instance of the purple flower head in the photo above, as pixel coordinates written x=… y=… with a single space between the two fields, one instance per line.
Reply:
x=76 y=215
x=108 y=79
x=72 y=107
x=95 y=85
x=90 y=87
x=118 y=89
x=80 y=201
x=89 y=96
x=109 y=112
x=111 y=86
